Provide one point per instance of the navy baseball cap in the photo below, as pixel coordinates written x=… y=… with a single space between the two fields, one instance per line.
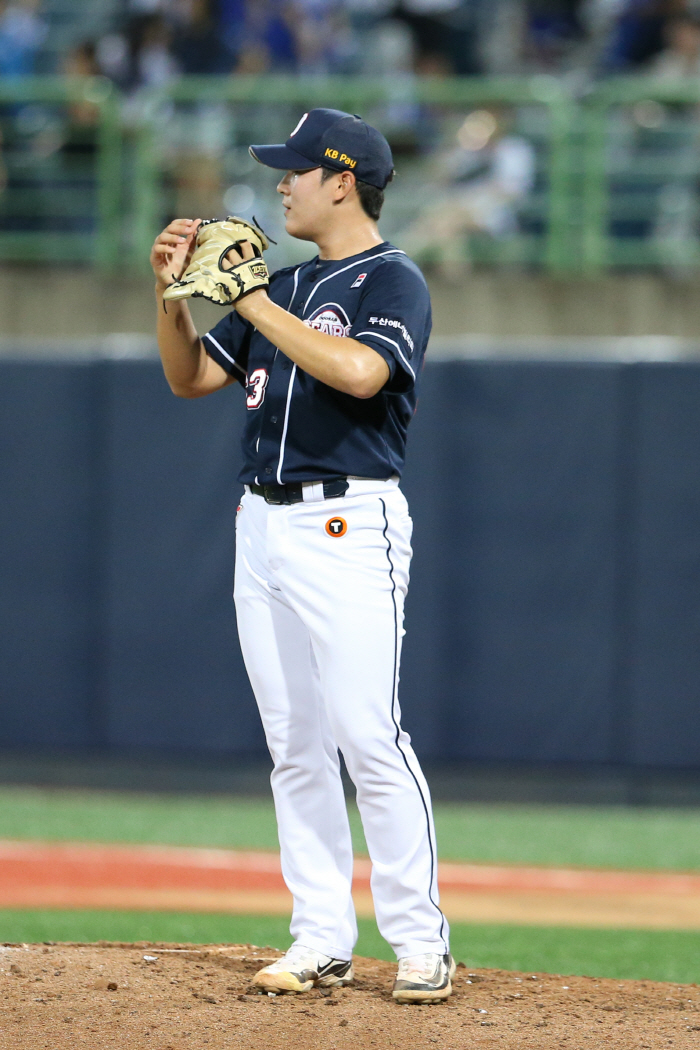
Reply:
x=329 y=138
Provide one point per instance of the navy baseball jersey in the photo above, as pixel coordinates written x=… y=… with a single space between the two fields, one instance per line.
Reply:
x=299 y=429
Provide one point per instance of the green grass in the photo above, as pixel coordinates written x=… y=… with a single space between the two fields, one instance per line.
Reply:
x=590 y=836
x=613 y=837
x=593 y=836
x=641 y=954
x=110 y=816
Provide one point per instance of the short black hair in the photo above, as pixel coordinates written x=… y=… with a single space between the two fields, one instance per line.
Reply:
x=371 y=197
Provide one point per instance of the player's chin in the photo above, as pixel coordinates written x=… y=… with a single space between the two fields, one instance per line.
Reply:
x=297 y=228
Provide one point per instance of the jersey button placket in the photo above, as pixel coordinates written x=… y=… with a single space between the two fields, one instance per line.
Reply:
x=269 y=441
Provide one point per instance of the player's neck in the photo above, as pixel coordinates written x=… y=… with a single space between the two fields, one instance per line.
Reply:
x=343 y=241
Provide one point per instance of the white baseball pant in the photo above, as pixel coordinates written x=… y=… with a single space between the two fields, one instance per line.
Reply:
x=320 y=618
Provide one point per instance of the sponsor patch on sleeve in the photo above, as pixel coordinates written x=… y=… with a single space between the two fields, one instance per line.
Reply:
x=358 y=280
x=395 y=324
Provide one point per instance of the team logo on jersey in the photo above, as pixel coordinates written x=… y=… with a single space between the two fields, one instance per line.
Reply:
x=358 y=280
x=336 y=527
x=330 y=319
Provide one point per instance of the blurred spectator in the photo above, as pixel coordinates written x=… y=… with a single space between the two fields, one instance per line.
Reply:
x=365 y=16
x=73 y=139
x=155 y=40
x=261 y=33
x=383 y=46
x=553 y=29
x=81 y=61
x=200 y=131
x=152 y=7
x=502 y=30
x=638 y=33
x=675 y=229
x=199 y=45
x=140 y=56
x=22 y=32
x=3 y=169
x=388 y=51
x=325 y=39
x=151 y=61
x=445 y=36
x=681 y=56
x=112 y=55
x=478 y=186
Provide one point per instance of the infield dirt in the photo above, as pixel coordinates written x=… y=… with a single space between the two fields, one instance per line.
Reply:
x=178 y=997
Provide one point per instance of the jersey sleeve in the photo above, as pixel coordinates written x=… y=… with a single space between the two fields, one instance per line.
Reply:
x=394 y=319
x=228 y=343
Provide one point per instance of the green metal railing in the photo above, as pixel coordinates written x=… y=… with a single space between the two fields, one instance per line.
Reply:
x=353 y=95
x=599 y=248
x=117 y=205
x=99 y=243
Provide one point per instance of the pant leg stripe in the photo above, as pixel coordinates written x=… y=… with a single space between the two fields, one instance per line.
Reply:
x=398 y=728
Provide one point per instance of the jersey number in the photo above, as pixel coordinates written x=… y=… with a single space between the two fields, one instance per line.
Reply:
x=257 y=381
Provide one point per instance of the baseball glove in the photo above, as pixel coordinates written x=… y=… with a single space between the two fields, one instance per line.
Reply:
x=210 y=275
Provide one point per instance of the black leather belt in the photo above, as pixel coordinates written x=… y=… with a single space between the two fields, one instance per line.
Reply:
x=293 y=492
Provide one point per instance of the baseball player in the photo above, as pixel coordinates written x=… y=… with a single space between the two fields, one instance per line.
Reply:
x=329 y=354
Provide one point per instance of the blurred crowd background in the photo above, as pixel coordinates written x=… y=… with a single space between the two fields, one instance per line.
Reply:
x=139 y=43
x=507 y=171
x=119 y=114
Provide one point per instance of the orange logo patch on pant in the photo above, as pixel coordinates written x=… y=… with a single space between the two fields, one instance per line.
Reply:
x=336 y=527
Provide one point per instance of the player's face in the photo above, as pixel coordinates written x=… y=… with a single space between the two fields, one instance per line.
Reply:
x=307 y=203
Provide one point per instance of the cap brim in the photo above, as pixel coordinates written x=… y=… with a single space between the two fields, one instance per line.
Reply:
x=281 y=157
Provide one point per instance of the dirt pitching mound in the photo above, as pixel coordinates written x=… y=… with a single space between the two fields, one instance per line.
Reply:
x=177 y=997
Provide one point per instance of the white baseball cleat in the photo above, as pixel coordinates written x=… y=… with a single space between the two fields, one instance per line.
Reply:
x=424 y=978
x=302 y=968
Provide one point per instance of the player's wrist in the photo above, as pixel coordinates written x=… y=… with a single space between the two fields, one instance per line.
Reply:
x=253 y=305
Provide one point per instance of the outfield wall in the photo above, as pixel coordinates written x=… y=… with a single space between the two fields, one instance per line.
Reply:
x=554 y=610
x=501 y=302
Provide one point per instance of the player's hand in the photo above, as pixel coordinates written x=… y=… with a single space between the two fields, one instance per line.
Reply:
x=172 y=250
x=242 y=253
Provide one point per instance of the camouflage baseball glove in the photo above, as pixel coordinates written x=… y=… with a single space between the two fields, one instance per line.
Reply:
x=210 y=275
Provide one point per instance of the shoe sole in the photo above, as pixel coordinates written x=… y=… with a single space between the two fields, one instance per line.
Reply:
x=415 y=995
x=289 y=982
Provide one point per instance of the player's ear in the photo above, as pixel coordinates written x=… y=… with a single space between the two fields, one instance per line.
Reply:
x=346 y=183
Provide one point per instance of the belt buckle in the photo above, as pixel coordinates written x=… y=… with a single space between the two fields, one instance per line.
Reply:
x=335 y=489
x=268 y=491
